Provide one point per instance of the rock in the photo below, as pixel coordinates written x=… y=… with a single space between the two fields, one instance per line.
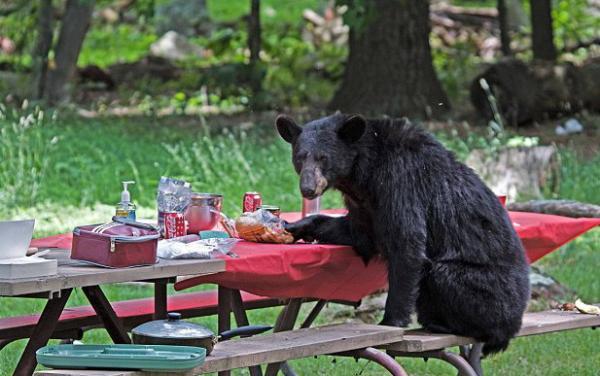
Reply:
x=173 y=46
x=571 y=126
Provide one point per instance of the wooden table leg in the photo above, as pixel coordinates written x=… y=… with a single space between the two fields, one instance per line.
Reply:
x=224 y=314
x=285 y=321
x=160 y=299
x=313 y=313
x=41 y=333
x=104 y=310
x=241 y=319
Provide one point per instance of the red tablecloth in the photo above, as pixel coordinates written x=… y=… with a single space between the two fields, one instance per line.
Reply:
x=335 y=272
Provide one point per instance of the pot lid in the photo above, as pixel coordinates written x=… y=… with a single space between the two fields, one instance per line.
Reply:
x=172 y=327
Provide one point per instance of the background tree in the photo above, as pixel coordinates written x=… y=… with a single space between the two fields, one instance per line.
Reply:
x=254 y=38
x=42 y=47
x=542 y=34
x=389 y=68
x=75 y=23
x=503 y=20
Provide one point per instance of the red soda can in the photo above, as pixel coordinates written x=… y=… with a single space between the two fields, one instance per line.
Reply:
x=174 y=225
x=252 y=200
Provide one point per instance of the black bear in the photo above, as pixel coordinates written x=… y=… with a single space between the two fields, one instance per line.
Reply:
x=451 y=250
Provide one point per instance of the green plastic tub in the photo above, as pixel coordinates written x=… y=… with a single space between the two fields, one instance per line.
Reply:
x=137 y=357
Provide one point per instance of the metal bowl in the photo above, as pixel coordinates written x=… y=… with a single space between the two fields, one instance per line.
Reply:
x=203 y=212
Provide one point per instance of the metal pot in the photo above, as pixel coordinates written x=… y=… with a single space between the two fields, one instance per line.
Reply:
x=203 y=212
x=174 y=331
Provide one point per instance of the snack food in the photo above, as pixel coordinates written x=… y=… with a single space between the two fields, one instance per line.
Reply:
x=263 y=227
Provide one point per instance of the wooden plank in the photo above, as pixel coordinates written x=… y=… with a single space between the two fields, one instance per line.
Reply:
x=301 y=343
x=555 y=320
x=533 y=323
x=420 y=340
x=70 y=276
x=276 y=347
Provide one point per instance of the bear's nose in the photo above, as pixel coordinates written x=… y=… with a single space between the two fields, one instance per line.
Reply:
x=308 y=193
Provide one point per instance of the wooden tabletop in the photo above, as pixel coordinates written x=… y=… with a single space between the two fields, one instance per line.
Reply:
x=73 y=273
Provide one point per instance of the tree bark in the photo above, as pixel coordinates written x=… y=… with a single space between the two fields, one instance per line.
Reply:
x=254 y=47
x=504 y=28
x=75 y=24
x=254 y=31
x=542 y=35
x=389 y=69
x=42 y=48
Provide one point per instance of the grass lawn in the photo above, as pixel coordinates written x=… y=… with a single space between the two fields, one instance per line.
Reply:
x=67 y=171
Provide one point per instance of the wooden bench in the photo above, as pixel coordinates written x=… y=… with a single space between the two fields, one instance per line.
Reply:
x=337 y=339
x=357 y=340
x=74 y=321
x=422 y=344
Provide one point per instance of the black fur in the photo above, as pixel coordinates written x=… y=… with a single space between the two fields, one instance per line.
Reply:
x=451 y=250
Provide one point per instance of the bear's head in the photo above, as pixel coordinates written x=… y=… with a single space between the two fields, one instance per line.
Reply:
x=323 y=150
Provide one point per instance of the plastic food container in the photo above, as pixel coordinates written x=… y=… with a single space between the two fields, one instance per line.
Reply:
x=136 y=357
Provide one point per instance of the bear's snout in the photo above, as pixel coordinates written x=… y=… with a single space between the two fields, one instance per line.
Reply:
x=312 y=182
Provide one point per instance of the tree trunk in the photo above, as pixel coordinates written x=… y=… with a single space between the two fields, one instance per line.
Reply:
x=389 y=69
x=504 y=28
x=254 y=31
x=542 y=36
x=42 y=47
x=254 y=47
x=75 y=24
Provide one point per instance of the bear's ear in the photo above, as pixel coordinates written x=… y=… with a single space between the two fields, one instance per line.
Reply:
x=287 y=128
x=352 y=128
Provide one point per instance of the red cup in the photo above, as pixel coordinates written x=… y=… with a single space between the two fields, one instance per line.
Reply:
x=502 y=199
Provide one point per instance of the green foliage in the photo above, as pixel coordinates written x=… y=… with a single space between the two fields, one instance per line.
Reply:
x=579 y=180
x=24 y=149
x=298 y=73
x=573 y=22
x=109 y=44
x=271 y=11
x=455 y=68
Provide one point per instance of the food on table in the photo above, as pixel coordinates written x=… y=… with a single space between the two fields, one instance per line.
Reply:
x=271 y=208
x=566 y=307
x=263 y=227
x=587 y=308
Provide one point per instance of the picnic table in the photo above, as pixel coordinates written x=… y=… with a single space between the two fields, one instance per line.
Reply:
x=301 y=272
x=333 y=272
x=72 y=274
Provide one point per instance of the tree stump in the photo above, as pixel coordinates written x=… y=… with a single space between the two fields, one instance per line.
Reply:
x=519 y=172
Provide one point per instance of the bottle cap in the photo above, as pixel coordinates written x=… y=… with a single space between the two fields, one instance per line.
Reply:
x=125 y=196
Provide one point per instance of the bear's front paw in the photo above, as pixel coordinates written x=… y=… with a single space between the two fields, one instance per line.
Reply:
x=302 y=230
x=398 y=322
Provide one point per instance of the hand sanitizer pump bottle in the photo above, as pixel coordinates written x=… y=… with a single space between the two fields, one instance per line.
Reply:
x=125 y=208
